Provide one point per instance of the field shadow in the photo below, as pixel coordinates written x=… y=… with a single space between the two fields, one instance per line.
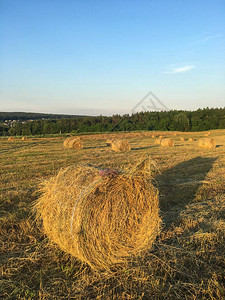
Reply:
x=178 y=185
x=142 y=148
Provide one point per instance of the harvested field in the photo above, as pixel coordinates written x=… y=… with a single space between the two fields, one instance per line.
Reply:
x=186 y=261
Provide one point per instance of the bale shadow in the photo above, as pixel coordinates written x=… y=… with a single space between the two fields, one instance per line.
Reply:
x=178 y=185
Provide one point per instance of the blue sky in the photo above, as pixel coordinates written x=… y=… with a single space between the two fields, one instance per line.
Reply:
x=102 y=57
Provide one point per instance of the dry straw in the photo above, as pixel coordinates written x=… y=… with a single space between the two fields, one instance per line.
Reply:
x=73 y=143
x=120 y=145
x=24 y=138
x=182 y=139
x=160 y=136
x=11 y=138
x=158 y=141
x=207 y=143
x=167 y=143
x=100 y=216
x=191 y=140
x=109 y=141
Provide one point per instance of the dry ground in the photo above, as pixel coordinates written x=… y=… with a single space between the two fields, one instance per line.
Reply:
x=187 y=260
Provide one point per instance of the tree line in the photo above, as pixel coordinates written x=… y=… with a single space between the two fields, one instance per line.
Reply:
x=174 y=120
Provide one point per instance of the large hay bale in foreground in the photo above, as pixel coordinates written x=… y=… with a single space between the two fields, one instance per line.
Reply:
x=100 y=216
x=120 y=145
x=158 y=141
x=207 y=143
x=167 y=143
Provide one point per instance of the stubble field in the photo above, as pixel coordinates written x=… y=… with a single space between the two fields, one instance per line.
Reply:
x=187 y=261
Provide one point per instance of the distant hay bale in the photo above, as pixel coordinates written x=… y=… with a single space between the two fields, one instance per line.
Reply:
x=110 y=141
x=24 y=138
x=191 y=140
x=75 y=144
x=207 y=134
x=160 y=136
x=99 y=216
x=120 y=145
x=153 y=136
x=158 y=141
x=207 y=143
x=167 y=143
x=174 y=134
x=182 y=139
x=11 y=138
x=67 y=141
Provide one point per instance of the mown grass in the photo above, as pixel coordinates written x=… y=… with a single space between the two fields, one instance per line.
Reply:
x=187 y=260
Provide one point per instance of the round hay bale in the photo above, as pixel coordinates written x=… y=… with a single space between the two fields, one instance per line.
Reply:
x=191 y=140
x=24 y=138
x=110 y=141
x=182 y=139
x=174 y=134
x=120 y=145
x=66 y=142
x=167 y=143
x=99 y=216
x=158 y=141
x=207 y=134
x=75 y=143
x=153 y=136
x=161 y=137
x=11 y=138
x=207 y=143
x=69 y=139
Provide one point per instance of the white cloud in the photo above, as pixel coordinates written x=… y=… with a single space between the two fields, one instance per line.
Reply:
x=208 y=37
x=180 y=69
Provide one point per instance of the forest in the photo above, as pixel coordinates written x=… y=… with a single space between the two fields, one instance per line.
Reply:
x=173 y=120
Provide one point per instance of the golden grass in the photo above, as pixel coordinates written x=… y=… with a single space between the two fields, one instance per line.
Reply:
x=186 y=261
